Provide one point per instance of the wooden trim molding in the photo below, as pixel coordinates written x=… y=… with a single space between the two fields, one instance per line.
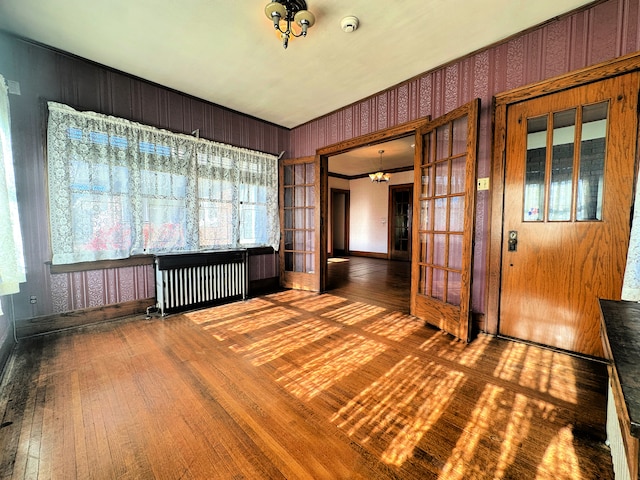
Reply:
x=102 y=264
x=611 y=68
x=391 y=133
x=595 y=73
x=77 y=318
x=383 y=256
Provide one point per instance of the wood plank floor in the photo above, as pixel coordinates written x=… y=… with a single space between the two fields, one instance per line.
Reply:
x=299 y=386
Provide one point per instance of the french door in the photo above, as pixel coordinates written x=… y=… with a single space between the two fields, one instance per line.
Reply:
x=569 y=176
x=400 y=213
x=300 y=254
x=444 y=218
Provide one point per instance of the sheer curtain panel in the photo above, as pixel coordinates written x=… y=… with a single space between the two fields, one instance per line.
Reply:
x=119 y=188
x=631 y=283
x=12 y=271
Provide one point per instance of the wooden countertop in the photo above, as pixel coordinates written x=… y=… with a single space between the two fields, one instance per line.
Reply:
x=621 y=323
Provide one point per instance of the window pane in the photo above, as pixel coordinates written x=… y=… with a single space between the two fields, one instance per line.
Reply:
x=288 y=175
x=455 y=252
x=299 y=177
x=311 y=219
x=439 y=245
x=442 y=142
x=310 y=199
x=561 y=187
x=426 y=182
x=442 y=178
x=458 y=174
x=456 y=214
x=535 y=169
x=592 y=154
x=311 y=173
x=440 y=214
x=425 y=215
x=425 y=248
x=288 y=197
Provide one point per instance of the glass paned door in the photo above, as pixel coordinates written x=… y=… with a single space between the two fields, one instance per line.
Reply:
x=444 y=214
x=299 y=209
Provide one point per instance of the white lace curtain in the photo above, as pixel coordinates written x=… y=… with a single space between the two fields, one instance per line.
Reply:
x=12 y=271
x=631 y=283
x=118 y=188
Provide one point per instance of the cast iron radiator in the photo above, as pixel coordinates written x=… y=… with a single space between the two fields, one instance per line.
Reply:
x=195 y=280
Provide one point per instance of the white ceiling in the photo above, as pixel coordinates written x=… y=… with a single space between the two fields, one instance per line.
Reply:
x=227 y=52
x=396 y=154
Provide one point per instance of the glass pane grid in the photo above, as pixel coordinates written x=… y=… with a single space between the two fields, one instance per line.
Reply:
x=442 y=213
x=562 y=183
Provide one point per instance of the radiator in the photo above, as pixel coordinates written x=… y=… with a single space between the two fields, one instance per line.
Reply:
x=615 y=441
x=197 y=280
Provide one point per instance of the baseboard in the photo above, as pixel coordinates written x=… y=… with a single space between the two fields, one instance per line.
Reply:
x=264 y=286
x=77 y=318
x=382 y=256
x=6 y=347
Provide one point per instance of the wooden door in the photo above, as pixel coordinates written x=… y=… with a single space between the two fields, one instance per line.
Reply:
x=569 y=172
x=400 y=216
x=300 y=243
x=444 y=219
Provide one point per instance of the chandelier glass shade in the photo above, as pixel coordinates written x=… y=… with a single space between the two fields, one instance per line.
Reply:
x=380 y=176
x=283 y=13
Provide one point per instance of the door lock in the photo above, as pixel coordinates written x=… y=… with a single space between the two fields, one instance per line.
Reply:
x=513 y=241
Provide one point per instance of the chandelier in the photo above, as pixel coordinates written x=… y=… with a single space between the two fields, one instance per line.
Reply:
x=290 y=11
x=379 y=177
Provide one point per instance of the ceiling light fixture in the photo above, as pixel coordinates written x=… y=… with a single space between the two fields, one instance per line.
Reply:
x=379 y=176
x=290 y=11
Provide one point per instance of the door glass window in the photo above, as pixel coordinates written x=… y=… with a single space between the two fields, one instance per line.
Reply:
x=592 y=151
x=553 y=192
x=535 y=169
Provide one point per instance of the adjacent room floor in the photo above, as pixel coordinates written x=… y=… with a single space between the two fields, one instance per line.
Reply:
x=297 y=385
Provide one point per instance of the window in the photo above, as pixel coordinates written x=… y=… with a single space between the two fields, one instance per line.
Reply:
x=118 y=188
x=12 y=271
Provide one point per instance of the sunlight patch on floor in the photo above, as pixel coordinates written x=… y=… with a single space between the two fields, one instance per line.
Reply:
x=251 y=322
x=542 y=370
x=285 y=340
x=337 y=360
x=225 y=311
x=318 y=303
x=353 y=313
x=395 y=326
x=403 y=404
x=560 y=461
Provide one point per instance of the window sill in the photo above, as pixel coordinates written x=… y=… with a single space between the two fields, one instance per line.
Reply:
x=102 y=264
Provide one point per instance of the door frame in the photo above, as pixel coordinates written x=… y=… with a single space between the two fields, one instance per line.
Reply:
x=391 y=216
x=602 y=71
x=347 y=211
x=322 y=156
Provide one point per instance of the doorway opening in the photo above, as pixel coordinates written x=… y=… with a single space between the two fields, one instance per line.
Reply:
x=340 y=204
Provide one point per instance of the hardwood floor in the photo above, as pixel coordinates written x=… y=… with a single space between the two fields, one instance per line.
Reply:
x=371 y=280
x=299 y=386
